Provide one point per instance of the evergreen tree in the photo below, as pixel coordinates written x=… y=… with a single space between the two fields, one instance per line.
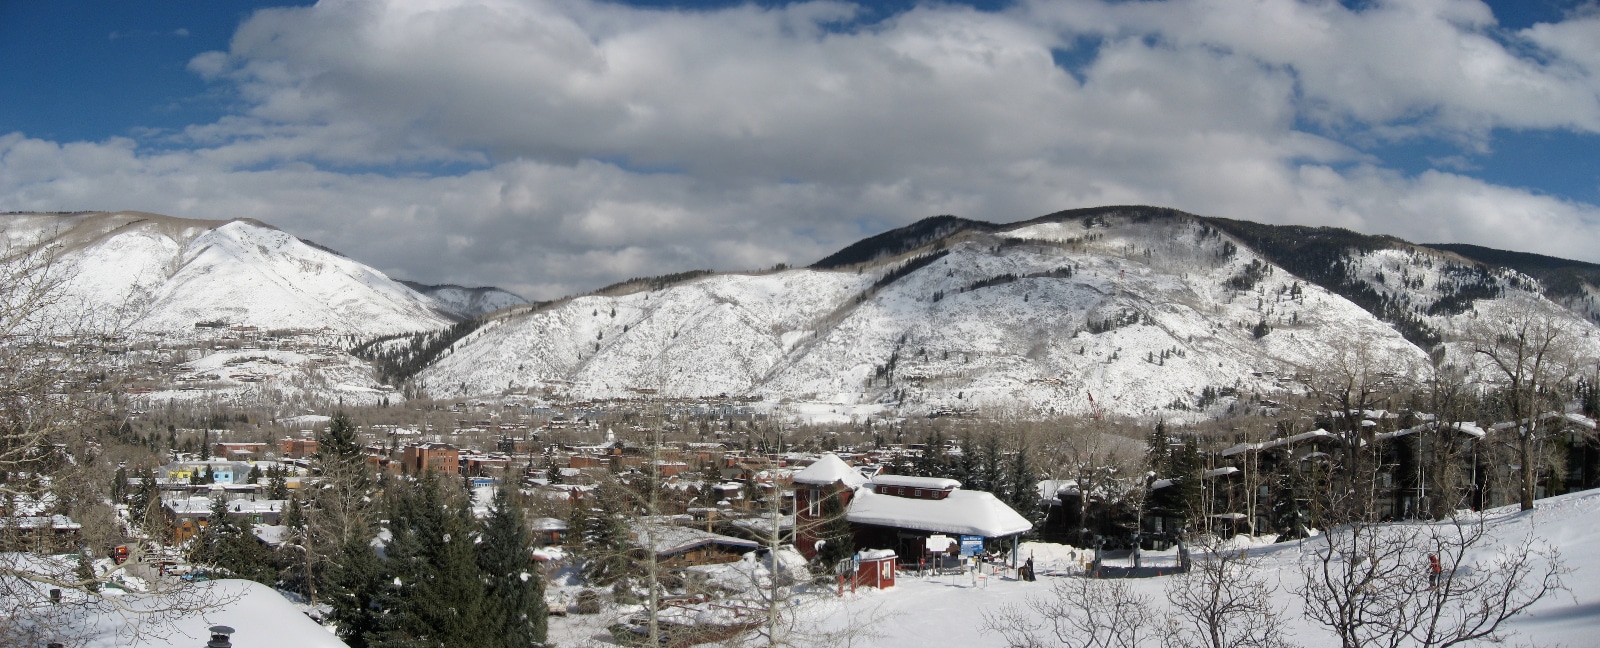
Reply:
x=608 y=548
x=138 y=499
x=1159 y=454
x=932 y=462
x=991 y=472
x=229 y=546
x=440 y=597
x=358 y=588
x=254 y=475
x=1289 y=488
x=339 y=439
x=1185 y=467
x=514 y=612
x=119 y=486
x=1021 y=485
x=964 y=468
x=277 y=486
x=85 y=571
x=838 y=542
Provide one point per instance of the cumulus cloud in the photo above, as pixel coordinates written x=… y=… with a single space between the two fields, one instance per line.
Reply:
x=602 y=141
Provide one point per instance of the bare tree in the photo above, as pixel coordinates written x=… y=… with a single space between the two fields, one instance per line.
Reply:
x=1355 y=377
x=1533 y=358
x=1079 y=613
x=58 y=383
x=1370 y=584
x=1222 y=602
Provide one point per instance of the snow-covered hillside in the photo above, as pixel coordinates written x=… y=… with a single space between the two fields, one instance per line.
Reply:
x=1142 y=310
x=165 y=275
x=467 y=303
x=949 y=611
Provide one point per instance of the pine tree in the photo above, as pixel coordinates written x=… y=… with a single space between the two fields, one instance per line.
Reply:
x=277 y=486
x=119 y=486
x=358 y=588
x=440 y=595
x=229 y=546
x=85 y=571
x=608 y=548
x=964 y=468
x=838 y=542
x=1159 y=454
x=339 y=439
x=1185 y=467
x=1021 y=491
x=932 y=462
x=1288 y=519
x=992 y=470
x=514 y=612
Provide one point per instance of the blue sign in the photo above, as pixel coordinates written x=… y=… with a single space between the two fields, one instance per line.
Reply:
x=971 y=545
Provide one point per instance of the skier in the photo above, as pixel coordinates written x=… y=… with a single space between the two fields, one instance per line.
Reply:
x=1434 y=569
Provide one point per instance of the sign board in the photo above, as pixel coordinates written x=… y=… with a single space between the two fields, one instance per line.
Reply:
x=971 y=545
x=939 y=543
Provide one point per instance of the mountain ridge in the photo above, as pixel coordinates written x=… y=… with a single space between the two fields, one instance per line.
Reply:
x=858 y=330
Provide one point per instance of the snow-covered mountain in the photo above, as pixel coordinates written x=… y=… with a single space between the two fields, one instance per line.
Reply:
x=165 y=275
x=467 y=303
x=1131 y=310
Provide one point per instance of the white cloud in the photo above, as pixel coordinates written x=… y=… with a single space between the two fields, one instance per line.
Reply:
x=611 y=141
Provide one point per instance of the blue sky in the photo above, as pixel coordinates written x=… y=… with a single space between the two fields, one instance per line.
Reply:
x=557 y=145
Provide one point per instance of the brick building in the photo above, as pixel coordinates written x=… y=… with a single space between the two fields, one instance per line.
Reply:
x=439 y=458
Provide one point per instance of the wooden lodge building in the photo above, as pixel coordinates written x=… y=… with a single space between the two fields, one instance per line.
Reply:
x=899 y=512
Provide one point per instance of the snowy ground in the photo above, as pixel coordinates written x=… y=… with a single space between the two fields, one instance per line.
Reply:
x=948 y=610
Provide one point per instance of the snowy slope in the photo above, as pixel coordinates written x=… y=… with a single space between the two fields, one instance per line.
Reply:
x=950 y=611
x=165 y=274
x=467 y=303
x=1122 y=311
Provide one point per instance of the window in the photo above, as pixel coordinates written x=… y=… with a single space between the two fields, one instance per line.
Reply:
x=813 y=506
x=919 y=492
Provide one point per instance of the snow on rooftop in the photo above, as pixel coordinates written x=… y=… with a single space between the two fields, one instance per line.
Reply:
x=962 y=512
x=909 y=481
x=548 y=524
x=673 y=539
x=1051 y=488
x=830 y=469
x=202 y=505
x=1265 y=445
x=259 y=616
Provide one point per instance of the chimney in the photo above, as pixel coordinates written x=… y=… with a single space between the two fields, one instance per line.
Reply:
x=219 y=637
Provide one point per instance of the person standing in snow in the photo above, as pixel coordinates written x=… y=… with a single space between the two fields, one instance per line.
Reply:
x=1434 y=569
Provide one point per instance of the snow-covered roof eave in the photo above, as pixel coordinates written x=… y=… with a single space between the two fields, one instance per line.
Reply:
x=828 y=470
x=962 y=512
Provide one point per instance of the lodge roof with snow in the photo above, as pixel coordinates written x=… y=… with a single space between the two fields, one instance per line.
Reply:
x=962 y=512
x=932 y=483
x=830 y=469
x=667 y=540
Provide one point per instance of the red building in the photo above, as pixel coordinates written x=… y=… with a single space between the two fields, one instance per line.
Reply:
x=439 y=458
x=239 y=451
x=296 y=448
x=829 y=477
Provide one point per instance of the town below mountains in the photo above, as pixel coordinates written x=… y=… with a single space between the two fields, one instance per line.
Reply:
x=1137 y=312
x=1148 y=409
